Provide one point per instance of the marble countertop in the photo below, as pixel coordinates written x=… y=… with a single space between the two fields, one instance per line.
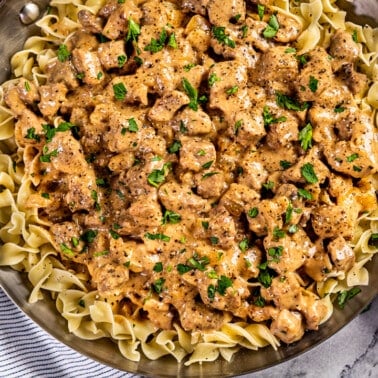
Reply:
x=351 y=353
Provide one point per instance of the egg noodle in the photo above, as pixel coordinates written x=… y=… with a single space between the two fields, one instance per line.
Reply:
x=28 y=245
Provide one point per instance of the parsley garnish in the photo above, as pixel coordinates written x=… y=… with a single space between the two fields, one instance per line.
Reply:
x=213 y=78
x=171 y=217
x=161 y=237
x=189 y=66
x=46 y=156
x=120 y=91
x=157 y=44
x=285 y=164
x=253 y=213
x=27 y=86
x=172 y=41
x=157 y=176
x=208 y=164
x=275 y=253
x=50 y=130
x=305 y=137
x=192 y=94
x=45 y=195
x=232 y=90
x=345 y=295
x=244 y=245
x=175 y=147
x=269 y=185
x=209 y=174
x=158 y=285
x=30 y=134
x=290 y=50
x=354 y=36
x=67 y=251
x=288 y=103
x=133 y=30
x=237 y=126
x=269 y=119
x=214 y=240
x=271 y=30
x=352 y=157
x=308 y=173
x=122 y=59
x=220 y=35
x=260 y=11
x=313 y=84
x=197 y=262
x=338 y=109
x=278 y=233
x=89 y=236
x=223 y=283
x=133 y=127
x=264 y=277
x=158 y=267
x=63 y=53
x=305 y=194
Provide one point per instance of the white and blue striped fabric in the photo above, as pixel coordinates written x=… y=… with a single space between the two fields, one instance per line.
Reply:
x=28 y=351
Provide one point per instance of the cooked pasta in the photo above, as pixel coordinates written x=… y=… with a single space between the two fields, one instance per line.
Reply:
x=191 y=177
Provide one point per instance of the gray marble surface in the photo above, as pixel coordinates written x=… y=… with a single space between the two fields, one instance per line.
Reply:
x=351 y=353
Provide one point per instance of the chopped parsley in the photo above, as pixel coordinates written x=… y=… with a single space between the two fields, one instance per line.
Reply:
x=119 y=91
x=50 y=130
x=269 y=119
x=214 y=240
x=45 y=195
x=158 y=267
x=269 y=185
x=63 y=53
x=171 y=217
x=305 y=194
x=224 y=283
x=271 y=30
x=253 y=213
x=158 y=285
x=157 y=176
x=290 y=50
x=209 y=174
x=232 y=90
x=189 y=66
x=27 y=86
x=30 y=134
x=161 y=237
x=264 y=277
x=197 y=262
x=133 y=30
x=175 y=147
x=133 y=127
x=157 y=44
x=213 y=78
x=308 y=173
x=313 y=84
x=275 y=253
x=89 y=236
x=289 y=103
x=352 y=157
x=219 y=33
x=101 y=253
x=208 y=164
x=237 y=126
x=121 y=59
x=244 y=245
x=46 y=155
x=192 y=94
x=260 y=11
x=66 y=250
x=278 y=233
x=288 y=213
x=355 y=36
x=345 y=295
x=285 y=164
x=172 y=41
x=338 y=109
x=305 y=137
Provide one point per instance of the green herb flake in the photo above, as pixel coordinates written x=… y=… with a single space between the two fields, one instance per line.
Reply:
x=171 y=217
x=233 y=90
x=308 y=173
x=211 y=290
x=259 y=301
x=198 y=262
x=46 y=156
x=264 y=277
x=75 y=241
x=357 y=168
x=305 y=194
x=237 y=126
x=288 y=103
x=66 y=250
x=81 y=303
x=45 y=195
x=292 y=229
x=157 y=44
x=157 y=176
x=253 y=213
x=352 y=157
x=115 y=235
x=271 y=30
x=158 y=267
x=244 y=29
x=260 y=11
x=285 y=164
x=158 y=285
x=223 y=284
x=133 y=30
x=345 y=295
x=189 y=66
x=209 y=174
x=219 y=33
x=175 y=147
x=305 y=137
x=244 y=245
x=269 y=119
x=89 y=236
x=183 y=268
x=278 y=233
x=208 y=164
x=119 y=91
x=313 y=84
x=213 y=78
x=63 y=53
x=192 y=94
x=288 y=213
x=338 y=109
x=205 y=225
x=355 y=36
x=172 y=41
x=161 y=237
x=121 y=59
x=269 y=185
x=30 y=134
x=214 y=240
x=290 y=50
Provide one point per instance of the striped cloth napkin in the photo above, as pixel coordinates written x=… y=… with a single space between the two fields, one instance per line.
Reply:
x=28 y=351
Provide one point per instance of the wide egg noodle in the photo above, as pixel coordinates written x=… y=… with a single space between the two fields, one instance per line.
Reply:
x=27 y=245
